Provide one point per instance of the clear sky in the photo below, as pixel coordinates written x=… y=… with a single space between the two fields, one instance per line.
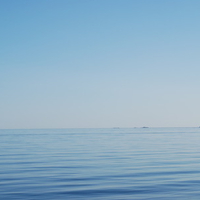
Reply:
x=99 y=63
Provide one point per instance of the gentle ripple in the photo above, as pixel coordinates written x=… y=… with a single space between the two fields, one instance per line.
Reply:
x=110 y=164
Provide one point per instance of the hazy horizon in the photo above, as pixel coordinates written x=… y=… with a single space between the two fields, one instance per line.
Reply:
x=99 y=64
x=96 y=128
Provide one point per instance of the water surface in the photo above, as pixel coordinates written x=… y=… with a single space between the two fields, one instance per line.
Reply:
x=110 y=164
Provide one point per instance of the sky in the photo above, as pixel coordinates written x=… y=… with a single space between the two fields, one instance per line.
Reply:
x=99 y=63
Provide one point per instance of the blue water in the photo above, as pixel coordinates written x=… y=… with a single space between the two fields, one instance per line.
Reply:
x=109 y=164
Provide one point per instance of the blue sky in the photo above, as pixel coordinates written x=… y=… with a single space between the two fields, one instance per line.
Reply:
x=99 y=63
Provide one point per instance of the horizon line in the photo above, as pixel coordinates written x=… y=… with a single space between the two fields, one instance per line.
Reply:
x=103 y=127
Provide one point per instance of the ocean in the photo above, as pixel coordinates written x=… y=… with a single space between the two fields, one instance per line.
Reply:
x=94 y=164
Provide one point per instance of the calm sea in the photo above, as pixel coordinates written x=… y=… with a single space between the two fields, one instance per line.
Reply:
x=108 y=164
